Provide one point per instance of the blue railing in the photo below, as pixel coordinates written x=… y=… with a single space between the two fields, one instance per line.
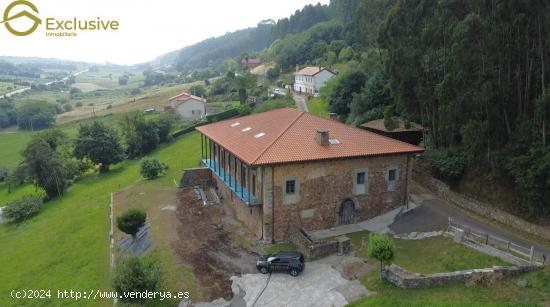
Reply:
x=231 y=183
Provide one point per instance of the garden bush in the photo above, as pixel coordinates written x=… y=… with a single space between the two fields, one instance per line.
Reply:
x=151 y=168
x=23 y=208
x=131 y=221
x=137 y=274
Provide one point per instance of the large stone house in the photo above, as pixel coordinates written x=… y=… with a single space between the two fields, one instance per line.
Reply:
x=310 y=79
x=189 y=106
x=288 y=168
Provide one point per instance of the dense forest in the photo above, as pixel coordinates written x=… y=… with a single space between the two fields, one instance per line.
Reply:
x=474 y=73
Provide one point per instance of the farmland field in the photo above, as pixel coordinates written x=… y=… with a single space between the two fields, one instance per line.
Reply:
x=75 y=254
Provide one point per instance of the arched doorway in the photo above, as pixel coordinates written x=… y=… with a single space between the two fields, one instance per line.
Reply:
x=347 y=212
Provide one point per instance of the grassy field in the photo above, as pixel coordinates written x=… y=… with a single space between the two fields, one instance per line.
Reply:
x=442 y=254
x=431 y=255
x=505 y=293
x=66 y=246
x=317 y=106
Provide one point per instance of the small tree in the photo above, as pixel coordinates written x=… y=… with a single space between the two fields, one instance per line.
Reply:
x=137 y=274
x=381 y=248
x=131 y=221
x=151 y=168
x=21 y=209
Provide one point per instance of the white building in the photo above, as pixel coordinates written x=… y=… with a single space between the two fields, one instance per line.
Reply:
x=310 y=79
x=189 y=106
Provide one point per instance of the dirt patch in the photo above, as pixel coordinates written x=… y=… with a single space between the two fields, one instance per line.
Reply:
x=206 y=242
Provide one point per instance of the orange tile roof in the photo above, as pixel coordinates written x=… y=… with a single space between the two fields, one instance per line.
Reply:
x=184 y=97
x=288 y=135
x=311 y=70
x=378 y=124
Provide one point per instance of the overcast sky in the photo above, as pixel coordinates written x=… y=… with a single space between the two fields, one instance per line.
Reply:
x=148 y=28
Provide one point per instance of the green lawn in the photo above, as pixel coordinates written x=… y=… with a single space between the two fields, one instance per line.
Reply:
x=431 y=255
x=505 y=293
x=440 y=254
x=317 y=106
x=66 y=245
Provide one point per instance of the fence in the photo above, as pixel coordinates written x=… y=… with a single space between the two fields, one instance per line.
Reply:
x=525 y=252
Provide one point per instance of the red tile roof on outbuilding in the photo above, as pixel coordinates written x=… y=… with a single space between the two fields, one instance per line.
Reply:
x=312 y=71
x=288 y=135
x=183 y=97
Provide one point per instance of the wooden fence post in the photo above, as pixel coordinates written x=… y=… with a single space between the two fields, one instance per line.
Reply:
x=532 y=254
x=486 y=239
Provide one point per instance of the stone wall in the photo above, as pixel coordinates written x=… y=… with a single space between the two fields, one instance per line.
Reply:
x=485 y=210
x=315 y=250
x=323 y=186
x=405 y=279
x=196 y=176
x=250 y=216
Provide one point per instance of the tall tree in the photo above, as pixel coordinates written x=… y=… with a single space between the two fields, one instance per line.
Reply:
x=100 y=144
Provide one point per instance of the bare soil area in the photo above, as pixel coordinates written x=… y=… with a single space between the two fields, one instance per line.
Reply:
x=206 y=241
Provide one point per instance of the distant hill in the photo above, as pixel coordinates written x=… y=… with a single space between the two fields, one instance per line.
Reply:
x=218 y=48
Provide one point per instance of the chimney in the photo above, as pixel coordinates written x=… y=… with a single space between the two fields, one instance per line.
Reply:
x=333 y=116
x=297 y=68
x=322 y=137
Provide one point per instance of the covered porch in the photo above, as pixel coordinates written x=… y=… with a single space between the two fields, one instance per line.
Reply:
x=235 y=174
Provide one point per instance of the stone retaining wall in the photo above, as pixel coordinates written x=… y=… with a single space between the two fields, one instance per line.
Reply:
x=405 y=279
x=485 y=210
x=318 y=249
x=196 y=176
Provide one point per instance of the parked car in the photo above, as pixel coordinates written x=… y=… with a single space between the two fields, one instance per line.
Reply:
x=279 y=92
x=291 y=262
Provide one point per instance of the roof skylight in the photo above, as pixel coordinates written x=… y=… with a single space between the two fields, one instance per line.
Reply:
x=259 y=135
x=235 y=124
x=246 y=129
x=334 y=141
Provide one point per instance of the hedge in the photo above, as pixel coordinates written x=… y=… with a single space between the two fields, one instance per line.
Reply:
x=209 y=119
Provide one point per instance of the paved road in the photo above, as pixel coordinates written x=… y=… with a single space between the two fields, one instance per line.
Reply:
x=432 y=214
x=300 y=102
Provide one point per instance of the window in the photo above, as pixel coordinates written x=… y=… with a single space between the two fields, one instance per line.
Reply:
x=361 y=178
x=392 y=175
x=290 y=187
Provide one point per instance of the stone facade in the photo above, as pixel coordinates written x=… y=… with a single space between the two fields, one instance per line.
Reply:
x=405 y=279
x=321 y=188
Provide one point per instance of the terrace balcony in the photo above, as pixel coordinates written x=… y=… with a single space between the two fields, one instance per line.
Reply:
x=230 y=181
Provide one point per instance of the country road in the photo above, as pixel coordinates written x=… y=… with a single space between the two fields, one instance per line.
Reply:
x=24 y=89
x=300 y=102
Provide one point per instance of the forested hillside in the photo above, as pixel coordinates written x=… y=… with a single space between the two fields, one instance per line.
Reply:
x=474 y=73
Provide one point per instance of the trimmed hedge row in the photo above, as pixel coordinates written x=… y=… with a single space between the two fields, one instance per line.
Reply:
x=209 y=119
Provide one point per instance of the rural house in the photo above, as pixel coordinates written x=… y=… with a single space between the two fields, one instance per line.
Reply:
x=251 y=63
x=310 y=79
x=288 y=168
x=189 y=106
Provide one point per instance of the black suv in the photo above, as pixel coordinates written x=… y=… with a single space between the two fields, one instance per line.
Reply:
x=292 y=262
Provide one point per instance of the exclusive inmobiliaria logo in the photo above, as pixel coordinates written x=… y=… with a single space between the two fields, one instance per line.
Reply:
x=20 y=10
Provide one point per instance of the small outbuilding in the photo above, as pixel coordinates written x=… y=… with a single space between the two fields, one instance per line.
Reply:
x=412 y=135
x=189 y=106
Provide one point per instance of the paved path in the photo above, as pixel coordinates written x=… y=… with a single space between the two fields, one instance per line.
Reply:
x=300 y=102
x=379 y=224
x=433 y=214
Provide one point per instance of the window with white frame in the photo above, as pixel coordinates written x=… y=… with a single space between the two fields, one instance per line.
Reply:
x=360 y=181
x=392 y=175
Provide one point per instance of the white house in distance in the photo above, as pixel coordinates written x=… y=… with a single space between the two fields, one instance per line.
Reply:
x=189 y=106
x=309 y=80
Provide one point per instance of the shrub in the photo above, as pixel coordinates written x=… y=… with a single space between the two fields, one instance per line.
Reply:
x=137 y=274
x=21 y=209
x=67 y=107
x=447 y=163
x=131 y=221
x=151 y=168
x=78 y=104
x=381 y=248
